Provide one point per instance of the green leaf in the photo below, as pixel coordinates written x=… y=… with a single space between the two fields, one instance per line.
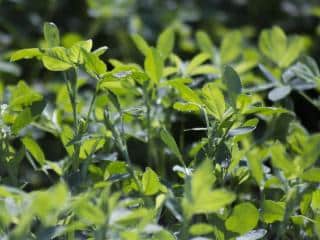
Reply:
x=93 y=64
x=167 y=138
x=34 y=149
x=295 y=47
x=214 y=101
x=153 y=65
x=187 y=94
x=196 y=62
x=310 y=152
x=311 y=175
x=185 y=107
x=25 y=54
x=201 y=229
x=233 y=84
x=88 y=212
x=204 y=42
x=165 y=42
x=280 y=160
x=51 y=34
x=255 y=157
x=150 y=182
x=22 y=120
x=200 y=198
x=307 y=70
x=212 y=201
x=279 y=93
x=273 y=211
x=231 y=47
x=75 y=53
x=273 y=43
x=244 y=218
x=163 y=235
x=48 y=204
x=22 y=95
x=99 y=51
x=56 y=59
x=141 y=44
x=204 y=173
x=315 y=201
x=241 y=131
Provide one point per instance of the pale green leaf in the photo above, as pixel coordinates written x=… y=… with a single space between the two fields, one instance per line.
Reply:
x=141 y=44
x=150 y=182
x=231 y=47
x=204 y=42
x=25 y=54
x=273 y=211
x=214 y=101
x=35 y=150
x=243 y=218
x=168 y=139
x=56 y=59
x=165 y=42
x=196 y=62
x=311 y=175
x=153 y=65
x=51 y=34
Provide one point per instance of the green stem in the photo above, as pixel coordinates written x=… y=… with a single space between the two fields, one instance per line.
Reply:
x=184 y=235
x=305 y=96
x=72 y=92
x=122 y=146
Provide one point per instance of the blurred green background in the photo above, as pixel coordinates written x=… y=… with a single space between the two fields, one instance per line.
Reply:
x=111 y=22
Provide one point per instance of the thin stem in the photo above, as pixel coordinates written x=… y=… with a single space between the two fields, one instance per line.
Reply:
x=122 y=146
x=72 y=92
x=92 y=102
x=309 y=99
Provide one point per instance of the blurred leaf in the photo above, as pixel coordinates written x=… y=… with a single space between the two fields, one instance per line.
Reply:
x=274 y=44
x=153 y=65
x=280 y=159
x=51 y=34
x=22 y=95
x=311 y=175
x=244 y=218
x=150 y=182
x=315 y=201
x=273 y=211
x=167 y=138
x=22 y=120
x=93 y=64
x=231 y=47
x=165 y=42
x=34 y=149
x=201 y=229
x=279 y=93
x=233 y=84
x=196 y=62
x=201 y=199
x=204 y=42
x=141 y=44
x=25 y=54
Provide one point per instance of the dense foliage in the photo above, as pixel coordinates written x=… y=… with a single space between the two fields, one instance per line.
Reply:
x=196 y=139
